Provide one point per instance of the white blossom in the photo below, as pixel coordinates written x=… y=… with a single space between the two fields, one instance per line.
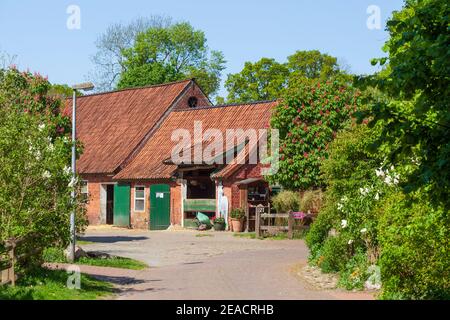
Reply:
x=344 y=224
x=377 y=196
x=73 y=182
x=350 y=242
x=41 y=127
x=67 y=170
x=379 y=172
x=388 y=180
x=364 y=191
x=340 y=206
x=364 y=230
x=46 y=175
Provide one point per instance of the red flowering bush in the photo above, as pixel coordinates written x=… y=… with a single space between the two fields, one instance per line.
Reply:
x=308 y=120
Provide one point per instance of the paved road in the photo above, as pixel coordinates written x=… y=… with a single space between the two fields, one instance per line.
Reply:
x=218 y=266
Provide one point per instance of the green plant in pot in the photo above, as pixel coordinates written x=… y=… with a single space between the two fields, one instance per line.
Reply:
x=237 y=219
x=219 y=224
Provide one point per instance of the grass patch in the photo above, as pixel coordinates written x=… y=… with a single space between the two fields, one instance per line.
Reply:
x=43 y=284
x=247 y=235
x=202 y=235
x=300 y=234
x=114 y=262
x=56 y=255
x=84 y=243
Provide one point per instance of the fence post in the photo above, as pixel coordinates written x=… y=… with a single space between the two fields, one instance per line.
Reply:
x=291 y=226
x=258 y=223
x=12 y=257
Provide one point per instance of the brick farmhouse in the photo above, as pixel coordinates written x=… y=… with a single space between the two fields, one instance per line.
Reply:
x=129 y=176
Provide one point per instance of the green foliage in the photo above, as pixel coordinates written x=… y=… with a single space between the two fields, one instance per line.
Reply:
x=56 y=255
x=171 y=53
x=237 y=213
x=334 y=254
x=268 y=79
x=219 y=220
x=414 y=241
x=35 y=177
x=416 y=119
x=286 y=201
x=308 y=120
x=43 y=284
x=354 y=274
x=262 y=80
x=344 y=238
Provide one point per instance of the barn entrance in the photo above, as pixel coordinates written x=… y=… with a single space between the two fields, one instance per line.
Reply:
x=110 y=204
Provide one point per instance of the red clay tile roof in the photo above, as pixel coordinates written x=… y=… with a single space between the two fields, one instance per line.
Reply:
x=111 y=125
x=148 y=163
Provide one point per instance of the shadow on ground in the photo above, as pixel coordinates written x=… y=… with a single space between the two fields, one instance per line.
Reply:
x=111 y=239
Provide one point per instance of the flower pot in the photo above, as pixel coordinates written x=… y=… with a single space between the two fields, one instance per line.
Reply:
x=219 y=226
x=237 y=225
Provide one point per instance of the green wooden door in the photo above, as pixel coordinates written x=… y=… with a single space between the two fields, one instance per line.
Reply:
x=122 y=205
x=159 y=207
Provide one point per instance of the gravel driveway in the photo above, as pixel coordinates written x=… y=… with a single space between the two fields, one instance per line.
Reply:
x=216 y=266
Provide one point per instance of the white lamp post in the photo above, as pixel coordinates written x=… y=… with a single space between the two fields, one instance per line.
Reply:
x=78 y=87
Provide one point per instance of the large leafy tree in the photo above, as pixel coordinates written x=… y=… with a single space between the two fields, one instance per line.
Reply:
x=417 y=119
x=35 y=149
x=108 y=60
x=172 y=53
x=262 y=80
x=268 y=79
x=308 y=120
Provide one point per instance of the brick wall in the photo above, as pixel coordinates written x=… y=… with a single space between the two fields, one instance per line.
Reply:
x=140 y=220
x=93 y=205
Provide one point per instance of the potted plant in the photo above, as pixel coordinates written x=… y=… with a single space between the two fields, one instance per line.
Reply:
x=219 y=224
x=237 y=219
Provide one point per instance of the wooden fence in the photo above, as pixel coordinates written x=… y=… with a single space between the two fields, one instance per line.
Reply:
x=9 y=258
x=261 y=226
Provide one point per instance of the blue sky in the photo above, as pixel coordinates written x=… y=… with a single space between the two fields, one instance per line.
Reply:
x=245 y=30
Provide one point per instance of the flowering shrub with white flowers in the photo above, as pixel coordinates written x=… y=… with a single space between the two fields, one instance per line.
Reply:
x=373 y=233
x=344 y=238
x=35 y=154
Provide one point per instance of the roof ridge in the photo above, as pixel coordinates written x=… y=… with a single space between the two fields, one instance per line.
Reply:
x=227 y=105
x=136 y=88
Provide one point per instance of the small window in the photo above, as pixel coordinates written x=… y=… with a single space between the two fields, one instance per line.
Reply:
x=84 y=191
x=139 y=199
x=193 y=102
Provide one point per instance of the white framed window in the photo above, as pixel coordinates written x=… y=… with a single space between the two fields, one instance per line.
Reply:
x=84 y=190
x=139 y=198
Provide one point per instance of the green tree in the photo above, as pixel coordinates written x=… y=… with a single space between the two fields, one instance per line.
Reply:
x=262 y=80
x=35 y=176
x=109 y=61
x=172 y=53
x=308 y=120
x=416 y=120
x=313 y=65
x=268 y=79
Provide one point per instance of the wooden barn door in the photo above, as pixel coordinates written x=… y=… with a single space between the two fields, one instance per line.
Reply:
x=159 y=207
x=122 y=205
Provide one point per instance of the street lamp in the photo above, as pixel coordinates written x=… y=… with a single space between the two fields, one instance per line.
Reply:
x=78 y=87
